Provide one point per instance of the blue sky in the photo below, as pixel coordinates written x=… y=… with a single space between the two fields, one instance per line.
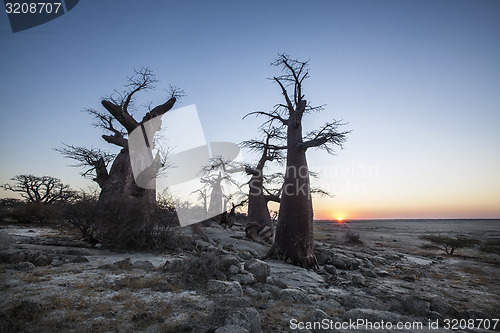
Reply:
x=417 y=81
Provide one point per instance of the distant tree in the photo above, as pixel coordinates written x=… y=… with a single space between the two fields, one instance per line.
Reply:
x=258 y=197
x=448 y=244
x=40 y=190
x=120 y=195
x=294 y=233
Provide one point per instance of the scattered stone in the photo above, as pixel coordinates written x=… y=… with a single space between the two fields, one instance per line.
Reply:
x=358 y=280
x=374 y=316
x=42 y=259
x=276 y=282
x=317 y=316
x=260 y=269
x=443 y=308
x=143 y=264
x=24 y=266
x=408 y=278
x=228 y=261
x=123 y=264
x=368 y=273
x=473 y=314
x=382 y=273
x=247 y=318
x=329 y=305
x=415 y=305
x=231 y=329
x=79 y=259
x=242 y=278
x=295 y=296
x=331 y=269
x=224 y=287
x=174 y=265
x=234 y=269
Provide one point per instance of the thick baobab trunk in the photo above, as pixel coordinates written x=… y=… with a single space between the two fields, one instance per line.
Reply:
x=294 y=233
x=215 y=205
x=122 y=204
x=258 y=214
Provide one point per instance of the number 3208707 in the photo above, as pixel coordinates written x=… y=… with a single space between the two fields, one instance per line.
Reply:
x=32 y=8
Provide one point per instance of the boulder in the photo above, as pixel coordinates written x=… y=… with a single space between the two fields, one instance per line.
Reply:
x=415 y=305
x=24 y=266
x=358 y=280
x=143 y=264
x=224 y=287
x=260 y=269
x=443 y=308
x=294 y=296
x=247 y=318
x=231 y=329
x=374 y=315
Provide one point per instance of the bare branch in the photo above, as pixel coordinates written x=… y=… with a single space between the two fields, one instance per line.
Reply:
x=326 y=137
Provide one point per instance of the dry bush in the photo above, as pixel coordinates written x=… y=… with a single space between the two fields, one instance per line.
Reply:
x=352 y=238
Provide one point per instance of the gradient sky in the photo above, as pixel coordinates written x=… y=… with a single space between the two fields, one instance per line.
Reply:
x=417 y=81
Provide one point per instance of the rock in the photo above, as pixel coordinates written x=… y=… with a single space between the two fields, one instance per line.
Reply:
x=242 y=278
x=321 y=256
x=368 y=273
x=143 y=264
x=473 y=314
x=79 y=259
x=328 y=305
x=343 y=262
x=316 y=316
x=382 y=273
x=358 y=280
x=174 y=265
x=408 y=278
x=374 y=316
x=330 y=269
x=443 y=308
x=24 y=266
x=123 y=264
x=415 y=305
x=36 y=258
x=231 y=329
x=257 y=294
x=276 y=282
x=247 y=318
x=234 y=269
x=228 y=261
x=42 y=260
x=224 y=287
x=232 y=301
x=294 y=296
x=260 y=269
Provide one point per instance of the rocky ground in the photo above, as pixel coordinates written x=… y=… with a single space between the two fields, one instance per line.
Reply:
x=51 y=281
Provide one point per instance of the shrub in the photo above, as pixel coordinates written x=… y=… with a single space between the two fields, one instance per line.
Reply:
x=352 y=238
x=448 y=244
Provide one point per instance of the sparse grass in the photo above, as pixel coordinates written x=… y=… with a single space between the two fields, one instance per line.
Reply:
x=274 y=317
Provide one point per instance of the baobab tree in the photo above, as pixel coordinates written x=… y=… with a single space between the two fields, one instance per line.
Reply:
x=42 y=190
x=294 y=233
x=120 y=196
x=258 y=213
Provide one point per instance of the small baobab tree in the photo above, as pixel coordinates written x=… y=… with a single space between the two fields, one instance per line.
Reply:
x=294 y=233
x=258 y=216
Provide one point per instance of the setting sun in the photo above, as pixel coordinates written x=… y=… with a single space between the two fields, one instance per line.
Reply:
x=340 y=219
